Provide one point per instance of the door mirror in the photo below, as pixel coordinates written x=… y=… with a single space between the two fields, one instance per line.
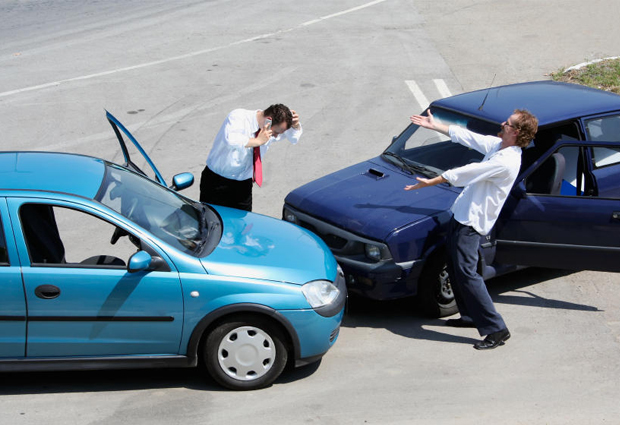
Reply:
x=138 y=262
x=182 y=181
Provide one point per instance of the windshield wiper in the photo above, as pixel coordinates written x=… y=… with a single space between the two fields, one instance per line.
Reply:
x=411 y=168
x=397 y=160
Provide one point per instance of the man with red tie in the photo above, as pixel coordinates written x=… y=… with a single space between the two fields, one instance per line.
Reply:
x=235 y=160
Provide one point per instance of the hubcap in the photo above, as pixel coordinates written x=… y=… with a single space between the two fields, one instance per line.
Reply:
x=246 y=353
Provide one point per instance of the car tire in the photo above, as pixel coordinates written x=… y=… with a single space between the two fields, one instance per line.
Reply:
x=435 y=297
x=245 y=353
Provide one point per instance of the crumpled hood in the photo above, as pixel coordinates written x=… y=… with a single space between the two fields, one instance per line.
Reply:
x=369 y=199
x=261 y=247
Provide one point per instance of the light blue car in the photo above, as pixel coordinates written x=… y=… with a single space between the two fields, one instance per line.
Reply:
x=104 y=267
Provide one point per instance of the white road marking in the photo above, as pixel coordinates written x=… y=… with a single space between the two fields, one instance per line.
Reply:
x=422 y=100
x=417 y=93
x=188 y=55
x=441 y=85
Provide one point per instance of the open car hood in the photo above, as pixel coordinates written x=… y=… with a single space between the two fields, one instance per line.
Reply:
x=369 y=199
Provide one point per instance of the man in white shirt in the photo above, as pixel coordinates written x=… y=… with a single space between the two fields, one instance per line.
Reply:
x=486 y=187
x=228 y=177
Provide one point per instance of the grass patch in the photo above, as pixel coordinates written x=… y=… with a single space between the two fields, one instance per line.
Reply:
x=604 y=75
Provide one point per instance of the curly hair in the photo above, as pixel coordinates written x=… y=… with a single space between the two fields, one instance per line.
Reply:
x=280 y=113
x=527 y=124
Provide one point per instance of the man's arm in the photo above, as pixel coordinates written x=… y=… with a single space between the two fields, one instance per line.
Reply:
x=422 y=182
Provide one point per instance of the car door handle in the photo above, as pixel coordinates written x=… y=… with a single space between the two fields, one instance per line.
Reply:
x=615 y=215
x=47 y=292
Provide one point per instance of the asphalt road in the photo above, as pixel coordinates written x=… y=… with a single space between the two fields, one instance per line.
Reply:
x=354 y=70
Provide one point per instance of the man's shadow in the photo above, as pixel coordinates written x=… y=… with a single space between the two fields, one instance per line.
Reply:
x=401 y=317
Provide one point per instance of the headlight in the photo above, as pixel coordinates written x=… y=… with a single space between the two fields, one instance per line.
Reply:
x=320 y=293
x=373 y=252
x=290 y=217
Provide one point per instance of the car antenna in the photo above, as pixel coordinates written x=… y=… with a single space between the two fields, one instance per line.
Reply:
x=487 y=95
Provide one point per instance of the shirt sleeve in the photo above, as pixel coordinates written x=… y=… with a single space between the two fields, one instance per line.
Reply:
x=473 y=173
x=293 y=134
x=481 y=143
x=235 y=132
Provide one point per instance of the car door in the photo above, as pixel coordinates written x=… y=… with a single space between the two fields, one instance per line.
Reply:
x=12 y=301
x=572 y=219
x=82 y=300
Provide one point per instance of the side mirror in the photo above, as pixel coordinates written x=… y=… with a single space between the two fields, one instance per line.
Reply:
x=138 y=262
x=182 y=181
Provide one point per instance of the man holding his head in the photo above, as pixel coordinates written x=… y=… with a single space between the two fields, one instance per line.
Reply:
x=235 y=160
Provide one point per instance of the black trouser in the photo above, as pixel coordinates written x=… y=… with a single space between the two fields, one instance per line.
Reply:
x=470 y=291
x=218 y=190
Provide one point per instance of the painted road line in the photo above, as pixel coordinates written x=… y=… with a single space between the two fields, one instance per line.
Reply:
x=188 y=55
x=417 y=93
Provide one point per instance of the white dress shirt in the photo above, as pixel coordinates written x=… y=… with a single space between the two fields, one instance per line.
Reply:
x=487 y=183
x=229 y=156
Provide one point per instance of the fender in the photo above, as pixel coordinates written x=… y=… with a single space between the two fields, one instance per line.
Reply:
x=212 y=317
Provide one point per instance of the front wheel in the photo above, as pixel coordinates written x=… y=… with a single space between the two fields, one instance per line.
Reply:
x=245 y=354
x=435 y=297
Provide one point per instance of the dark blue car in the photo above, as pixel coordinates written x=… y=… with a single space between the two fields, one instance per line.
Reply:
x=563 y=212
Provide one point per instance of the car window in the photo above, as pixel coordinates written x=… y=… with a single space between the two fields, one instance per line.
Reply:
x=557 y=175
x=67 y=237
x=4 y=255
x=605 y=156
x=604 y=129
x=164 y=213
x=561 y=173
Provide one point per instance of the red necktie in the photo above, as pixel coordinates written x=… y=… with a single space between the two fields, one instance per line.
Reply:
x=258 y=164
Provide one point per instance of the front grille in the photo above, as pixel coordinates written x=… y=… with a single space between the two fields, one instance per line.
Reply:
x=333 y=241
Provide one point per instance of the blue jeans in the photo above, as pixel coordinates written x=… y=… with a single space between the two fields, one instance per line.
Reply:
x=470 y=292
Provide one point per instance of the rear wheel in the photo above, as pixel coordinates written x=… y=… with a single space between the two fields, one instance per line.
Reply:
x=245 y=353
x=435 y=297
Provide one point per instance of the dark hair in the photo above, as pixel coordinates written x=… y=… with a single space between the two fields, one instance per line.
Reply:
x=279 y=113
x=527 y=124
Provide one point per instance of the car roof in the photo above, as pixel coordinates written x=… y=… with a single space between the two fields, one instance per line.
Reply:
x=50 y=171
x=550 y=101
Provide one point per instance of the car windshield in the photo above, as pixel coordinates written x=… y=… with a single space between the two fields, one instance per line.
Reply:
x=424 y=151
x=176 y=220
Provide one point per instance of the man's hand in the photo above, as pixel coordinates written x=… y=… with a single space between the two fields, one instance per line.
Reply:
x=429 y=122
x=263 y=137
x=422 y=182
x=295 y=120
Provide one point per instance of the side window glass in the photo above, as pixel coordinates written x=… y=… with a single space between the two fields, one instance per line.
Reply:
x=604 y=129
x=557 y=175
x=4 y=255
x=604 y=156
x=68 y=237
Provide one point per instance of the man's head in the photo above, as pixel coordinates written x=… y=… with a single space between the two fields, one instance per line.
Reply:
x=520 y=127
x=281 y=116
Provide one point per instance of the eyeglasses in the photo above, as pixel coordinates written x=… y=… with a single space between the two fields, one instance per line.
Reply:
x=509 y=125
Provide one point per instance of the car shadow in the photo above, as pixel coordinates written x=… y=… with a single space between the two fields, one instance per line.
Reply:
x=401 y=318
x=92 y=381
x=22 y=383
